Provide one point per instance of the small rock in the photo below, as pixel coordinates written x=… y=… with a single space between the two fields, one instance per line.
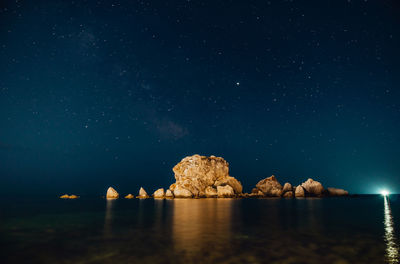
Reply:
x=142 y=193
x=65 y=196
x=73 y=196
x=112 y=193
x=129 y=196
x=225 y=191
x=169 y=194
x=211 y=192
x=288 y=194
x=287 y=187
x=299 y=191
x=270 y=186
x=180 y=192
x=159 y=193
x=313 y=188
x=337 y=192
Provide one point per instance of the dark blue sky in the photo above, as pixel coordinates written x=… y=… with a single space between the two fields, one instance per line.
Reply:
x=100 y=93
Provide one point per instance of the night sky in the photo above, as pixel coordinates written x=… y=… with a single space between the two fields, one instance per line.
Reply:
x=115 y=93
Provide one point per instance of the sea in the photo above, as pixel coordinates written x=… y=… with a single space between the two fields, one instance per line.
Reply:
x=354 y=229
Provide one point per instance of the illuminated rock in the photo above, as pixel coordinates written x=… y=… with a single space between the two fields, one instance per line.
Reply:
x=112 y=193
x=129 y=196
x=225 y=191
x=270 y=187
x=211 y=192
x=65 y=196
x=169 y=194
x=142 y=193
x=299 y=192
x=159 y=193
x=313 y=188
x=196 y=173
x=180 y=192
x=288 y=194
x=287 y=187
x=337 y=192
x=73 y=196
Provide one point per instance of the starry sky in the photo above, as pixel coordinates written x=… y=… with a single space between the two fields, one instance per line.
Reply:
x=115 y=93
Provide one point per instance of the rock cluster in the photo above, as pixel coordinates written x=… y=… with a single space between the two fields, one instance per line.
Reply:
x=201 y=176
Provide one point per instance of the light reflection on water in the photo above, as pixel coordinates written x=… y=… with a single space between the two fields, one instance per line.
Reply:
x=200 y=224
x=392 y=251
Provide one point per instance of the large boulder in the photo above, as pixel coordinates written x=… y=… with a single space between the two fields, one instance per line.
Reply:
x=337 y=192
x=299 y=191
x=225 y=191
x=270 y=186
x=112 y=193
x=313 y=188
x=169 y=194
x=180 y=192
x=196 y=173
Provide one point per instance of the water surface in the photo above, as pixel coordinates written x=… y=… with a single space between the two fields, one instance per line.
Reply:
x=93 y=230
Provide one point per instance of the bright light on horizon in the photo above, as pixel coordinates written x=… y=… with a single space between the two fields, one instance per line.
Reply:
x=385 y=192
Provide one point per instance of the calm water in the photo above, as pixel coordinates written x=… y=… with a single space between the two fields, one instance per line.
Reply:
x=332 y=230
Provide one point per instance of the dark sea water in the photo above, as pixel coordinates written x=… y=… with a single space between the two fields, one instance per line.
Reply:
x=362 y=229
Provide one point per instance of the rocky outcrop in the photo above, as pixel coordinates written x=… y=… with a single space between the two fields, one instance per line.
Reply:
x=112 y=193
x=287 y=187
x=313 y=188
x=142 y=194
x=225 y=191
x=180 y=192
x=270 y=187
x=337 y=192
x=159 y=194
x=66 y=196
x=169 y=194
x=195 y=173
x=288 y=194
x=211 y=192
x=129 y=196
x=299 y=192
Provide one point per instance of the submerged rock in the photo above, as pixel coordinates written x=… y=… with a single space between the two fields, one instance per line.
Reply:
x=225 y=191
x=337 y=192
x=195 y=173
x=159 y=193
x=129 y=196
x=299 y=192
x=270 y=186
x=169 y=194
x=313 y=188
x=65 y=196
x=180 y=192
x=142 y=193
x=73 y=196
x=112 y=193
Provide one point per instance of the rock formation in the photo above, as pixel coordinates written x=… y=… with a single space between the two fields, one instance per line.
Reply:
x=180 y=192
x=129 y=196
x=225 y=191
x=270 y=187
x=142 y=194
x=299 y=192
x=337 y=192
x=287 y=187
x=112 y=193
x=169 y=194
x=313 y=188
x=159 y=194
x=195 y=173
x=65 y=196
x=288 y=194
